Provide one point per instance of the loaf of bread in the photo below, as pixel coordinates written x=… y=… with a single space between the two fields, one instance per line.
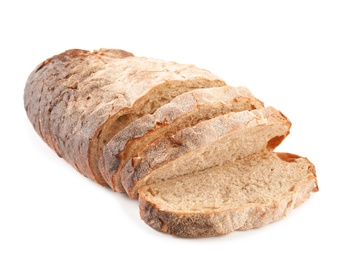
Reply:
x=196 y=152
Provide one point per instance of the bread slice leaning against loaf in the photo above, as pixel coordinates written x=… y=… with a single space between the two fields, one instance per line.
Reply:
x=243 y=194
x=183 y=111
x=209 y=143
x=78 y=100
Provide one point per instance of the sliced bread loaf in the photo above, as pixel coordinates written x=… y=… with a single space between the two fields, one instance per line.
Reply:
x=209 y=143
x=78 y=100
x=243 y=194
x=197 y=153
x=183 y=111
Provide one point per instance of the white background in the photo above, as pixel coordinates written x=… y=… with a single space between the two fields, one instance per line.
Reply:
x=285 y=52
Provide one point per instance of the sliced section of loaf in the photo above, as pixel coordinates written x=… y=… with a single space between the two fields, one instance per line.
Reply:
x=183 y=111
x=207 y=144
x=78 y=100
x=240 y=195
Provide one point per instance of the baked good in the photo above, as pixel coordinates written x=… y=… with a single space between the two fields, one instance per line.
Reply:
x=209 y=143
x=197 y=153
x=183 y=111
x=78 y=100
x=243 y=194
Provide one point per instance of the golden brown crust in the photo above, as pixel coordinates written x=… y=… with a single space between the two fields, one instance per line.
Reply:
x=63 y=109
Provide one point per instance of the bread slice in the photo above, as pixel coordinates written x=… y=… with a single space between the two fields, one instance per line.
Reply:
x=207 y=144
x=243 y=194
x=183 y=111
x=78 y=100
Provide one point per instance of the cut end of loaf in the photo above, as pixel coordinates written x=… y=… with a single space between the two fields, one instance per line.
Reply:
x=245 y=194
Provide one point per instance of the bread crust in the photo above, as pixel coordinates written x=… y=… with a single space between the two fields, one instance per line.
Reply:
x=71 y=97
x=221 y=222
